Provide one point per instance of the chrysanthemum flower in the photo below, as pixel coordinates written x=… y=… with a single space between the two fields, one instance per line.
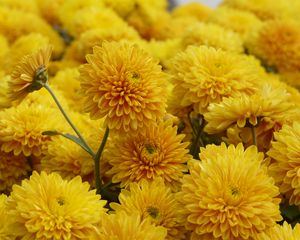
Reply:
x=237 y=20
x=212 y=35
x=6 y=223
x=277 y=43
x=228 y=194
x=154 y=201
x=203 y=75
x=21 y=129
x=268 y=103
x=30 y=70
x=122 y=226
x=48 y=207
x=12 y=170
x=281 y=232
x=264 y=9
x=24 y=45
x=286 y=161
x=124 y=84
x=155 y=151
x=195 y=9
x=26 y=6
x=96 y=36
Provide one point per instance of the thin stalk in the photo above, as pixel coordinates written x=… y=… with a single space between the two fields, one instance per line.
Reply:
x=97 y=161
x=48 y=88
x=195 y=144
x=253 y=131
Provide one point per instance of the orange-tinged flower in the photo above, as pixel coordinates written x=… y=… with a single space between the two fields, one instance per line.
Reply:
x=154 y=201
x=228 y=195
x=28 y=74
x=124 y=84
x=155 y=151
x=48 y=207
x=285 y=164
x=123 y=226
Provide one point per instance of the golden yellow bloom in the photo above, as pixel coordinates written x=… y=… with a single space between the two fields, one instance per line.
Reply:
x=286 y=161
x=270 y=103
x=154 y=201
x=12 y=170
x=212 y=35
x=124 y=84
x=6 y=223
x=155 y=151
x=203 y=75
x=281 y=232
x=92 y=17
x=195 y=9
x=26 y=6
x=48 y=207
x=277 y=43
x=264 y=9
x=15 y=23
x=122 y=226
x=228 y=195
x=122 y=7
x=96 y=36
x=234 y=19
x=21 y=129
x=49 y=9
x=30 y=70
x=24 y=45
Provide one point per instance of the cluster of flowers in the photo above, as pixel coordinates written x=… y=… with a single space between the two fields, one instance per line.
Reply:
x=123 y=120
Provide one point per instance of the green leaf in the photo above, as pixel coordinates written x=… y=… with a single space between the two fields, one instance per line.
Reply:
x=51 y=133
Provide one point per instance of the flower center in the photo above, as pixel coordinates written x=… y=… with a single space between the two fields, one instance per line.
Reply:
x=153 y=212
x=133 y=77
x=60 y=201
x=150 y=148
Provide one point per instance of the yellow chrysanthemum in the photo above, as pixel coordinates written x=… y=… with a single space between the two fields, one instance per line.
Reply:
x=228 y=195
x=124 y=84
x=6 y=223
x=92 y=17
x=95 y=37
x=26 y=6
x=122 y=226
x=270 y=103
x=61 y=210
x=4 y=46
x=12 y=170
x=154 y=201
x=5 y=101
x=31 y=68
x=49 y=9
x=195 y=9
x=234 y=19
x=212 y=35
x=203 y=75
x=277 y=43
x=281 y=232
x=24 y=45
x=15 y=23
x=286 y=161
x=21 y=129
x=264 y=9
x=155 y=151
x=122 y=7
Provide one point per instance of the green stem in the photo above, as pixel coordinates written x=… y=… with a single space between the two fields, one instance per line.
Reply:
x=97 y=162
x=48 y=88
x=194 y=146
x=253 y=131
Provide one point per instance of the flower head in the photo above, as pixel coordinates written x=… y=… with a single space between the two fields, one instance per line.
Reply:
x=229 y=195
x=123 y=226
x=22 y=127
x=12 y=170
x=212 y=35
x=61 y=210
x=282 y=232
x=154 y=201
x=195 y=9
x=203 y=75
x=155 y=151
x=29 y=73
x=6 y=223
x=286 y=161
x=124 y=84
